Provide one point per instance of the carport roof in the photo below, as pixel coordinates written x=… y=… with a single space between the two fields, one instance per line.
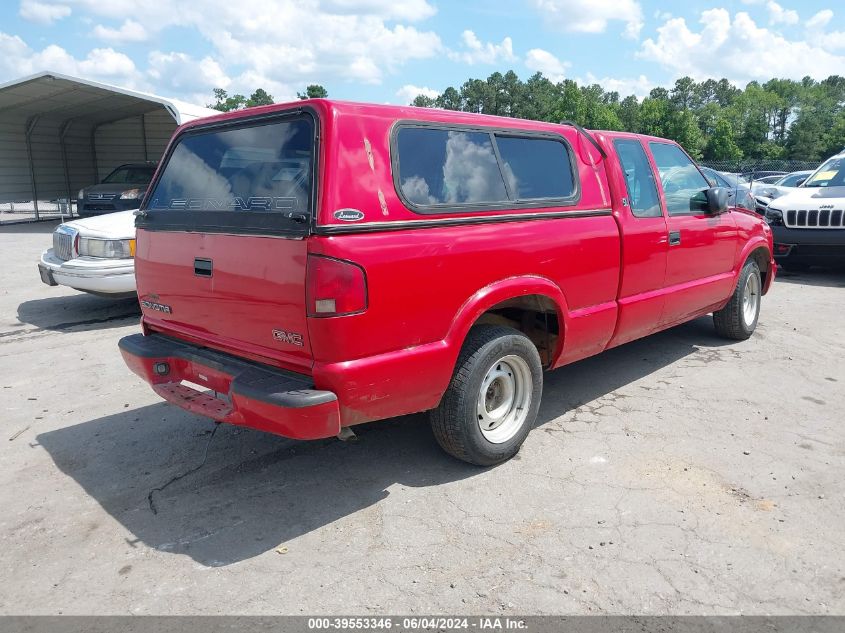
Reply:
x=59 y=96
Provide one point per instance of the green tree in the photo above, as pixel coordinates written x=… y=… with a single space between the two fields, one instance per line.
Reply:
x=712 y=119
x=225 y=103
x=653 y=116
x=450 y=99
x=313 y=91
x=722 y=145
x=422 y=101
x=259 y=98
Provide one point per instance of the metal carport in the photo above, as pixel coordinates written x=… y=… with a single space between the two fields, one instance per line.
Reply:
x=60 y=133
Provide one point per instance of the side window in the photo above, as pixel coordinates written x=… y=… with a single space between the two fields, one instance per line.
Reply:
x=443 y=167
x=448 y=167
x=536 y=167
x=642 y=191
x=683 y=185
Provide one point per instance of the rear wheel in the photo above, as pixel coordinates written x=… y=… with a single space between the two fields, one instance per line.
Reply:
x=738 y=319
x=492 y=401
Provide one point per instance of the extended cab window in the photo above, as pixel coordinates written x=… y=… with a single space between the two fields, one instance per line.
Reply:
x=536 y=167
x=639 y=179
x=448 y=167
x=254 y=176
x=437 y=167
x=683 y=184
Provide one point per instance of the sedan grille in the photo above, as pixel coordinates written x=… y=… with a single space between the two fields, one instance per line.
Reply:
x=63 y=243
x=102 y=196
x=815 y=219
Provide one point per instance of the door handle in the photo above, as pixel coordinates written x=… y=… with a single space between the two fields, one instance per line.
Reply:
x=674 y=238
x=202 y=267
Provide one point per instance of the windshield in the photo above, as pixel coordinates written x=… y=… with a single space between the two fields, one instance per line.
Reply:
x=733 y=180
x=831 y=174
x=791 y=180
x=130 y=175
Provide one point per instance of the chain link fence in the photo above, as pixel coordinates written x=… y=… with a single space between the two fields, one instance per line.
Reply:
x=28 y=211
x=758 y=165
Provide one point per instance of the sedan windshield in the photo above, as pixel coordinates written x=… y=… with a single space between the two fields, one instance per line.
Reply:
x=734 y=180
x=132 y=175
x=831 y=174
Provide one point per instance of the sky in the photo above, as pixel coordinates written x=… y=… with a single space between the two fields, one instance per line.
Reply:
x=388 y=51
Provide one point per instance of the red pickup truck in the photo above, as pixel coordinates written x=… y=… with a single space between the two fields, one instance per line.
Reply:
x=306 y=267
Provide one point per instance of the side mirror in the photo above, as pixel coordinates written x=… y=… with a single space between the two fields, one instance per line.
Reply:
x=717 y=200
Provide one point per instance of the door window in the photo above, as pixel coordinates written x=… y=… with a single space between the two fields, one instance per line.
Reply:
x=642 y=192
x=683 y=185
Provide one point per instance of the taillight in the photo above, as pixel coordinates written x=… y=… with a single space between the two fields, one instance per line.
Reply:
x=334 y=287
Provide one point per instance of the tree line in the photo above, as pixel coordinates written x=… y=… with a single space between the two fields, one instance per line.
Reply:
x=225 y=103
x=712 y=119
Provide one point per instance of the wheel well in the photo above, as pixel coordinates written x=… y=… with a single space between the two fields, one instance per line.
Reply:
x=533 y=315
x=761 y=256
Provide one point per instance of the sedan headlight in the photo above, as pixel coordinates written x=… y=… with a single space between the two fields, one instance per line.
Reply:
x=106 y=249
x=81 y=194
x=131 y=194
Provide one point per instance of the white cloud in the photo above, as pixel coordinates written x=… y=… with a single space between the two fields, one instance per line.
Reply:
x=178 y=73
x=42 y=13
x=409 y=92
x=17 y=58
x=129 y=31
x=542 y=61
x=477 y=52
x=779 y=15
x=591 y=16
x=736 y=48
x=820 y=19
x=412 y=10
x=831 y=40
x=283 y=44
x=637 y=86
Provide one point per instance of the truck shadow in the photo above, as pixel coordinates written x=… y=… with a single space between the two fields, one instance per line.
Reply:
x=78 y=312
x=257 y=491
x=824 y=277
x=42 y=226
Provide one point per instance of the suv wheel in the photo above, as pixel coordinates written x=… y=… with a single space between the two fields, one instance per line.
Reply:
x=492 y=402
x=738 y=319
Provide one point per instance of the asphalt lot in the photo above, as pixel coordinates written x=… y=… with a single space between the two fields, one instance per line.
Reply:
x=678 y=474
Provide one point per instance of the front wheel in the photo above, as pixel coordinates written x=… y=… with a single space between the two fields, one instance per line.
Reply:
x=738 y=319
x=492 y=402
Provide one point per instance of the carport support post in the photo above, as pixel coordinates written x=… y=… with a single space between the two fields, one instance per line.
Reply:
x=94 y=154
x=144 y=136
x=30 y=126
x=62 y=133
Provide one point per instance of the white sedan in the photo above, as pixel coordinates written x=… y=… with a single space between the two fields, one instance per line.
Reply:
x=94 y=255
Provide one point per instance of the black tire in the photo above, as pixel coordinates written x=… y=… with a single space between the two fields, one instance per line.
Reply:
x=733 y=321
x=455 y=422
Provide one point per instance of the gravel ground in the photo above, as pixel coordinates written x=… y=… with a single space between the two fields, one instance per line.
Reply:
x=679 y=474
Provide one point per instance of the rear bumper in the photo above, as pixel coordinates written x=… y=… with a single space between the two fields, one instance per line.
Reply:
x=256 y=396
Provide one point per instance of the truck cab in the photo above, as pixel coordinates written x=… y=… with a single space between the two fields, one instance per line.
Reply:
x=303 y=268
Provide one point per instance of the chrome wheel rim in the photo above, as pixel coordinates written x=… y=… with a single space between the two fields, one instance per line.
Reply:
x=750 y=299
x=504 y=398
